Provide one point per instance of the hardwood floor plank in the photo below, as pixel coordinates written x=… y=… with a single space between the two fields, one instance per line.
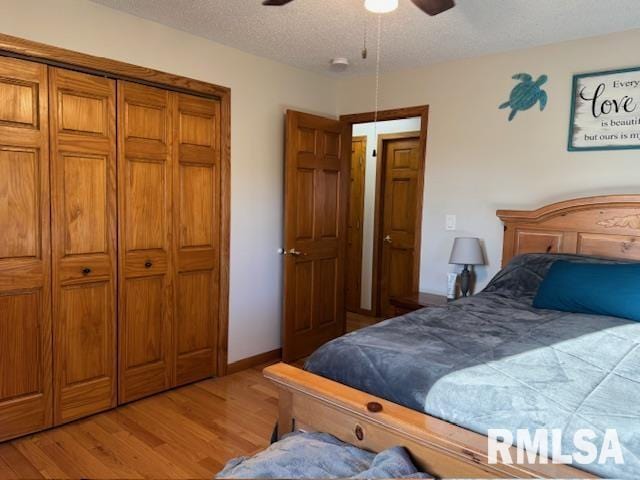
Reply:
x=22 y=467
x=89 y=435
x=190 y=432
x=143 y=462
x=237 y=437
x=71 y=452
x=133 y=427
x=211 y=465
x=356 y=321
x=150 y=456
x=174 y=433
x=144 y=457
x=6 y=471
x=45 y=465
x=255 y=424
x=60 y=458
x=193 y=469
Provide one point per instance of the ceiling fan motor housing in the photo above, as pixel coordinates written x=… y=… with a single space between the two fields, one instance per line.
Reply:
x=430 y=7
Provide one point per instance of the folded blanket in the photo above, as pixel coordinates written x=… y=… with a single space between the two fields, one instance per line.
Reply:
x=320 y=455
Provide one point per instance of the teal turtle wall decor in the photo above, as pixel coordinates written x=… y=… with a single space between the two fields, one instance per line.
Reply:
x=526 y=94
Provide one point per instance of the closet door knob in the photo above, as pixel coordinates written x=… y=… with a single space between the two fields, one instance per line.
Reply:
x=86 y=271
x=148 y=264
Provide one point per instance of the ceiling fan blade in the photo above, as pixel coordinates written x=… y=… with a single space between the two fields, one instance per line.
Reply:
x=434 y=7
x=276 y=3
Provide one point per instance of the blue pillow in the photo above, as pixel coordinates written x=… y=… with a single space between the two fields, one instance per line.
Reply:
x=593 y=288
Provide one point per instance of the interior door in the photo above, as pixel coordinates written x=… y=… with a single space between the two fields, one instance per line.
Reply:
x=354 y=227
x=400 y=207
x=316 y=195
x=25 y=260
x=145 y=223
x=83 y=150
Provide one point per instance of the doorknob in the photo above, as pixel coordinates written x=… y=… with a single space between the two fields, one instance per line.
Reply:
x=292 y=251
x=387 y=239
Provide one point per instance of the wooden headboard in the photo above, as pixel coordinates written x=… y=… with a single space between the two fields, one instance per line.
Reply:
x=607 y=226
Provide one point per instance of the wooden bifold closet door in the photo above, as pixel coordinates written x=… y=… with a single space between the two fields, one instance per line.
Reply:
x=25 y=266
x=144 y=205
x=83 y=182
x=196 y=221
x=110 y=216
x=169 y=238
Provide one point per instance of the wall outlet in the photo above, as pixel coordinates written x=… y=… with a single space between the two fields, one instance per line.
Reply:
x=450 y=223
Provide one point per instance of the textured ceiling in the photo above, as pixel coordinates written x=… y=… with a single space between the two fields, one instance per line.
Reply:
x=308 y=33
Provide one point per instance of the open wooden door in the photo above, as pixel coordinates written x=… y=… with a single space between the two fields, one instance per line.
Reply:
x=316 y=196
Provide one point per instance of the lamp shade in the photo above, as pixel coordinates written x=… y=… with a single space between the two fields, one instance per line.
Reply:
x=467 y=251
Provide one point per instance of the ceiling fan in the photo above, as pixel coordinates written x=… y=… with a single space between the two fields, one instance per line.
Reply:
x=430 y=7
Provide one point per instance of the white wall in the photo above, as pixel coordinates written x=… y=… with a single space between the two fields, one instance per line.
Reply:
x=368 y=221
x=261 y=90
x=478 y=162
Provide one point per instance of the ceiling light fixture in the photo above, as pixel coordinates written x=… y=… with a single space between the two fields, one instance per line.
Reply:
x=339 y=64
x=381 y=6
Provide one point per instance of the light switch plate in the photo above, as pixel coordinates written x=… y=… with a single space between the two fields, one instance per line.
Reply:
x=451 y=221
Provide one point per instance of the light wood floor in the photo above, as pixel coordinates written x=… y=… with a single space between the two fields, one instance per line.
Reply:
x=356 y=321
x=189 y=432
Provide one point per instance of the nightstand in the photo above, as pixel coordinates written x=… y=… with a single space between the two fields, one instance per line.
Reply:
x=416 y=301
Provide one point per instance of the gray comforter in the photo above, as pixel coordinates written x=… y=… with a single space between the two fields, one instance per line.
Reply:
x=320 y=455
x=493 y=361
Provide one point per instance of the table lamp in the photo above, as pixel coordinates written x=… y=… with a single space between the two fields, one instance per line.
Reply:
x=466 y=251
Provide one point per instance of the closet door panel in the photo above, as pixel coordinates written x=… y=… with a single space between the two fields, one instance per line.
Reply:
x=196 y=223
x=85 y=198
x=85 y=348
x=25 y=265
x=145 y=205
x=19 y=218
x=144 y=175
x=84 y=243
x=196 y=325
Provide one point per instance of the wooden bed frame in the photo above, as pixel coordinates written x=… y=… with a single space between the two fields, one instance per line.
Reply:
x=607 y=226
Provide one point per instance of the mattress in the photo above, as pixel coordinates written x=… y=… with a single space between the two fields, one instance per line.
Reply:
x=492 y=361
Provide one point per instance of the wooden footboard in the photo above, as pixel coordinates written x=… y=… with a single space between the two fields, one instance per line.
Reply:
x=309 y=402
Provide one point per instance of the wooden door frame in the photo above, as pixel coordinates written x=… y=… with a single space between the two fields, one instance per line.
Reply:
x=362 y=138
x=54 y=56
x=421 y=111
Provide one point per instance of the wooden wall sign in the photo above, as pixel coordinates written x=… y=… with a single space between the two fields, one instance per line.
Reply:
x=605 y=110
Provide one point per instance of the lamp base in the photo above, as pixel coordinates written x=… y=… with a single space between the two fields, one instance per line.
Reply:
x=465 y=281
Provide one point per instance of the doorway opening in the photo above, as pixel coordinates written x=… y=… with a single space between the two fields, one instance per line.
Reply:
x=385 y=210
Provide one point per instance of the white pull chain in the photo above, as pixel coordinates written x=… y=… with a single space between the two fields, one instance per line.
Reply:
x=375 y=115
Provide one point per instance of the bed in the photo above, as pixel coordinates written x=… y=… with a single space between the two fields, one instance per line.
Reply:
x=474 y=369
